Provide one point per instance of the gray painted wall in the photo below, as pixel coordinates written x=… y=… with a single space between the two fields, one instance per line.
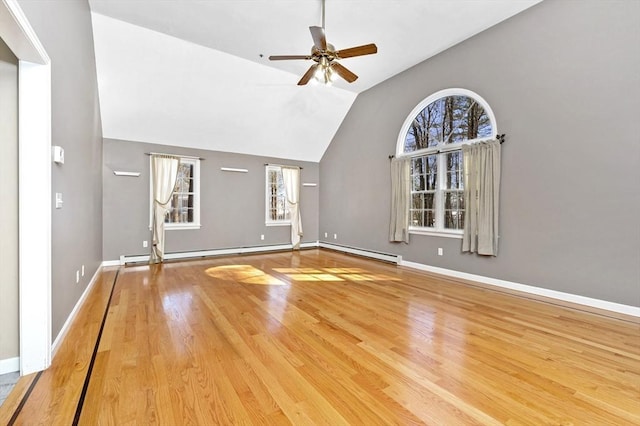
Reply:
x=64 y=28
x=232 y=209
x=563 y=79
x=9 y=341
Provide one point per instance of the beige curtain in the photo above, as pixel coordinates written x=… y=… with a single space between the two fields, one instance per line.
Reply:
x=164 y=172
x=291 y=179
x=481 y=197
x=400 y=193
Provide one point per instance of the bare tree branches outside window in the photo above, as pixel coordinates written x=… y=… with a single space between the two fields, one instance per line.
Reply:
x=437 y=199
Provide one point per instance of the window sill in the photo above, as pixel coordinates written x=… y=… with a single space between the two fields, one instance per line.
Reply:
x=188 y=226
x=181 y=227
x=434 y=233
x=277 y=224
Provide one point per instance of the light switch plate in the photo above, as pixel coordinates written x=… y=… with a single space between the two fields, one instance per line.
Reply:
x=58 y=154
x=59 y=201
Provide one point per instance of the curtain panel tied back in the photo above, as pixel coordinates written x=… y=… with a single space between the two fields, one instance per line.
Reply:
x=164 y=173
x=400 y=193
x=481 y=197
x=291 y=180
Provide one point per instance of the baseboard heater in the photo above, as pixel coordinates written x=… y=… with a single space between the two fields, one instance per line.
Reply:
x=387 y=257
x=144 y=258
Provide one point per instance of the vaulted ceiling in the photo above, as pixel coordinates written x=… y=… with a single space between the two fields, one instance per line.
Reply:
x=195 y=73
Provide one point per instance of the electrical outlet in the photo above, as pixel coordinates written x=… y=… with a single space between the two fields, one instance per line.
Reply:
x=77 y=277
x=262 y=237
x=335 y=236
x=145 y=244
x=326 y=234
x=83 y=270
x=440 y=251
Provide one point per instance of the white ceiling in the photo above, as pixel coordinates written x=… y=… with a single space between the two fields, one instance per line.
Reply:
x=195 y=73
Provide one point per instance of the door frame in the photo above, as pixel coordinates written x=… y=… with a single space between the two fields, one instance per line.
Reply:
x=34 y=186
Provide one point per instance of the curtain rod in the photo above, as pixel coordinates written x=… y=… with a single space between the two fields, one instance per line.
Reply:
x=174 y=155
x=282 y=165
x=498 y=137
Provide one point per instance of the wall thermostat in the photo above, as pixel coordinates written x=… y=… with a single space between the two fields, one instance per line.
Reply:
x=58 y=155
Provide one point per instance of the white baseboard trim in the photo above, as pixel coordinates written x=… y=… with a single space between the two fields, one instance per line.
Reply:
x=65 y=327
x=9 y=365
x=387 y=257
x=124 y=259
x=538 y=291
x=394 y=258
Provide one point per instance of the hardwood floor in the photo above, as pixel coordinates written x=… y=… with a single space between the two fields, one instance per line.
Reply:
x=318 y=337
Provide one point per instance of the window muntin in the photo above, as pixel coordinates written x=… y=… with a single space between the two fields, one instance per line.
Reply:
x=432 y=136
x=184 y=207
x=276 y=208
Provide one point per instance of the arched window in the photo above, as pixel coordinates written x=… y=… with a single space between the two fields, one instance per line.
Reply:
x=432 y=136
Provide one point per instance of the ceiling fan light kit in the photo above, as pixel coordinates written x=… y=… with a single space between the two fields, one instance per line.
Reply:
x=326 y=57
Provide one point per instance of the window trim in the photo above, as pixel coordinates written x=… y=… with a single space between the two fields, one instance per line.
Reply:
x=267 y=217
x=439 y=150
x=196 y=196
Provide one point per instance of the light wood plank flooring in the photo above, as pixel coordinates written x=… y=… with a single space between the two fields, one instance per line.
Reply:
x=317 y=337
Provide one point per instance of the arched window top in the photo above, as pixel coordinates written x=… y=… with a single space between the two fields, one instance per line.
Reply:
x=446 y=118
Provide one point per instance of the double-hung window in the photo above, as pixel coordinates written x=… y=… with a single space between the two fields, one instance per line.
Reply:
x=432 y=138
x=276 y=208
x=184 y=207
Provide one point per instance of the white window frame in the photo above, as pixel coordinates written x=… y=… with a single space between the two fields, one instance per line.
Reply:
x=440 y=150
x=267 y=198
x=184 y=159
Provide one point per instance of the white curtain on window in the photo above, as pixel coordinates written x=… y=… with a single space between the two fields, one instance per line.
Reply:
x=164 y=172
x=481 y=197
x=400 y=193
x=291 y=179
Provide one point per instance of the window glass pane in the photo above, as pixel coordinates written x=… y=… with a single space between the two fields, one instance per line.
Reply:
x=454 y=170
x=454 y=219
x=429 y=219
x=449 y=220
x=415 y=218
x=432 y=172
x=424 y=173
x=429 y=201
x=454 y=210
x=183 y=181
x=451 y=119
x=422 y=213
x=416 y=201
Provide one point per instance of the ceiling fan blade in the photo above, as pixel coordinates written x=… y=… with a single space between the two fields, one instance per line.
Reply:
x=319 y=39
x=366 y=49
x=288 y=57
x=343 y=72
x=307 y=75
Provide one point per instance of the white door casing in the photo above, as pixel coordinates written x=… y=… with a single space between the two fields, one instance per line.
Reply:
x=34 y=187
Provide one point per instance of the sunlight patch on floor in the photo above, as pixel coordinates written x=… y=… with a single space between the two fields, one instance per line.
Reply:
x=332 y=274
x=246 y=274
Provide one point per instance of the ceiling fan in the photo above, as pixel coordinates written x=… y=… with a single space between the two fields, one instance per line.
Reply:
x=326 y=57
